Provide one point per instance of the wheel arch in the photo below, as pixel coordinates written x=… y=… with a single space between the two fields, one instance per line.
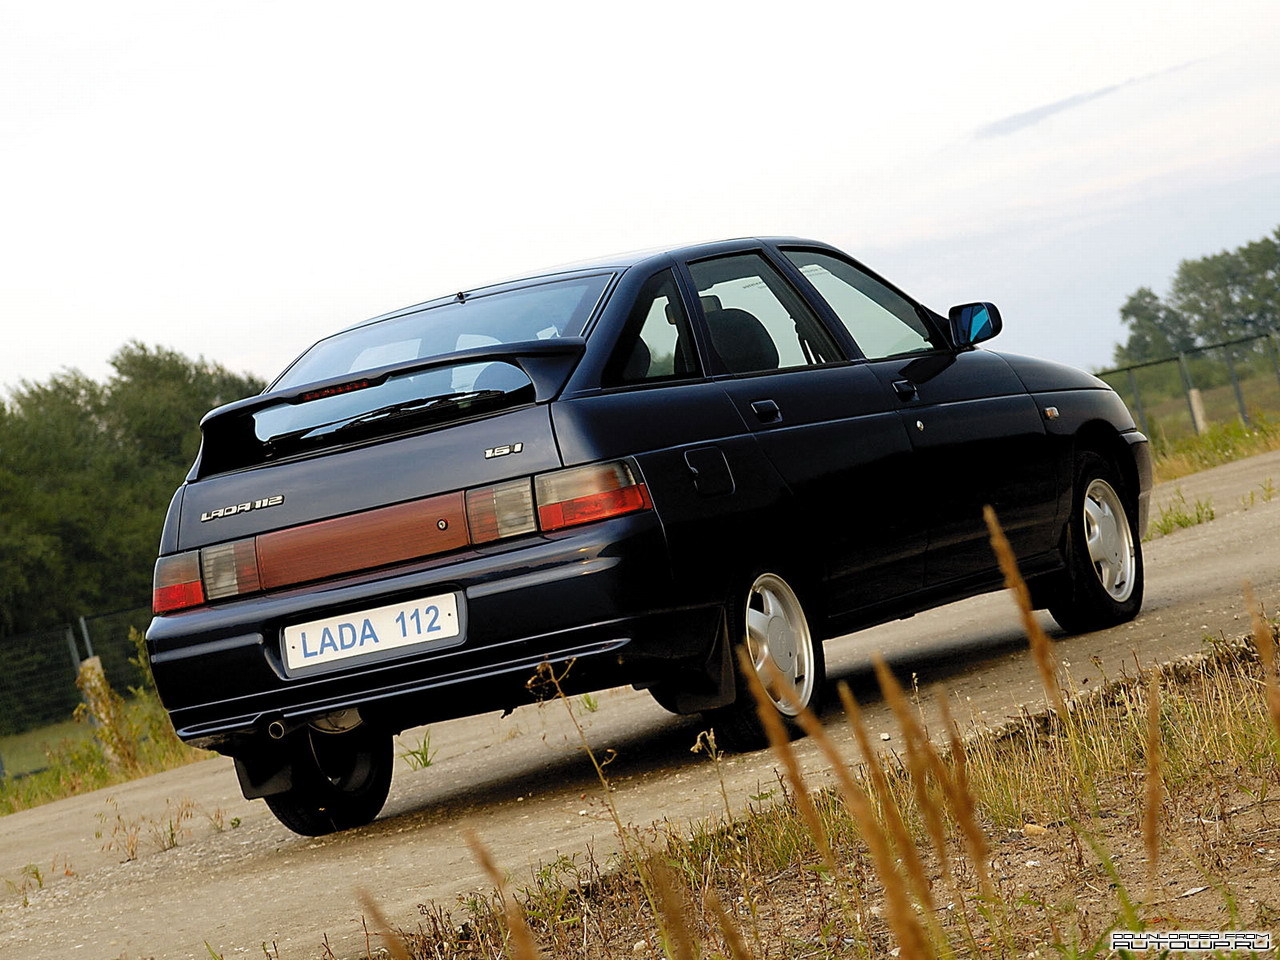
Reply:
x=1102 y=438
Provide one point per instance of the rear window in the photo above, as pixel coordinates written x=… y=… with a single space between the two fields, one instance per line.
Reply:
x=558 y=308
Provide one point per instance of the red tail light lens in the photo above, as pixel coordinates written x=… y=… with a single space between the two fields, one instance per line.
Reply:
x=177 y=583
x=567 y=498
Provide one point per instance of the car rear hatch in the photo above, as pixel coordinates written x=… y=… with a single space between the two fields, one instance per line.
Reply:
x=375 y=469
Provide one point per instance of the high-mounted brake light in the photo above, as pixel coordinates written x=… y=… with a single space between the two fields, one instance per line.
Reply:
x=334 y=391
x=177 y=583
x=567 y=498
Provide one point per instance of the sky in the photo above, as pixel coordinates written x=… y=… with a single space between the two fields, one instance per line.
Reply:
x=237 y=179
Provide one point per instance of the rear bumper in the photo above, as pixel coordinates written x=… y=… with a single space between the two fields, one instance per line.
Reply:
x=597 y=596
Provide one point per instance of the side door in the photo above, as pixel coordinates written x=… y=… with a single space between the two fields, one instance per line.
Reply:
x=977 y=435
x=654 y=402
x=824 y=423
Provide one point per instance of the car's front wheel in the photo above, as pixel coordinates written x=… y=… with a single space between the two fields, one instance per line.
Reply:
x=770 y=622
x=1103 y=582
x=340 y=780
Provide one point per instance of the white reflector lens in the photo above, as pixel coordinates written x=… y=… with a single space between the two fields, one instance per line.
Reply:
x=230 y=569
x=503 y=510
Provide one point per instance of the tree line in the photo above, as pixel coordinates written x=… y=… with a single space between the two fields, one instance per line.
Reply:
x=1225 y=296
x=86 y=472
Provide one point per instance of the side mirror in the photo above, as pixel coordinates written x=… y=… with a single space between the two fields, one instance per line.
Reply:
x=974 y=322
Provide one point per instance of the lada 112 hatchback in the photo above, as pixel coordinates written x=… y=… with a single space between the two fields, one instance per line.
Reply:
x=624 y=469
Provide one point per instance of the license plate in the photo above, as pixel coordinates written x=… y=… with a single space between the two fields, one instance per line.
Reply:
x=425 y=623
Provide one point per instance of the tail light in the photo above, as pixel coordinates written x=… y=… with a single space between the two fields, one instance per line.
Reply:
x=177 y=583
x=551 y=501
x=579 y=495
x=230 y=568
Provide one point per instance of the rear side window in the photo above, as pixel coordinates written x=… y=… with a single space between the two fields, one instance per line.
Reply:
x=656 y=343
x=755 y=319
x=880 y=320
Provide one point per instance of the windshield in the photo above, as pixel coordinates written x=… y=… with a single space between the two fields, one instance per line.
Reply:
x=557 y=308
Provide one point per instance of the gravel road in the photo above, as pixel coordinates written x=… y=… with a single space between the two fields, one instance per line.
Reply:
x=238 y=879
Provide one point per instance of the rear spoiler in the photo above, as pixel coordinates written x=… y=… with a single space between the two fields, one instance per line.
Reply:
x=547 y=364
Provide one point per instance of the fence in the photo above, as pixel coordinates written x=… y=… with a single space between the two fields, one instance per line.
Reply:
x=38 y=681
x=1185 y=394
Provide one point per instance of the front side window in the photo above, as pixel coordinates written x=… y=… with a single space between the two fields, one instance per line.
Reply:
x=557 y=308
x=755 y=319
x=656 y=343
x=880 y=320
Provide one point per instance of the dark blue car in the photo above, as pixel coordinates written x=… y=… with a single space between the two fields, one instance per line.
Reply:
x=624 y=469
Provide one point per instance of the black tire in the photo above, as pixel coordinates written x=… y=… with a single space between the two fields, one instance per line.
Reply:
x=769 y=620
x=340 y=781
x=1103 y=582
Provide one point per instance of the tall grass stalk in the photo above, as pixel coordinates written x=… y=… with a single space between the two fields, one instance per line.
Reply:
x=962 y=802
x=780 y=741
x=921 y=760
x=1264 y=641
x=1154 y=782
x=1041 y=653
x=912 y=942
x=395 y=943
x=889 y=809
x=732 y=938
x=1040 y=644
x=521 y=938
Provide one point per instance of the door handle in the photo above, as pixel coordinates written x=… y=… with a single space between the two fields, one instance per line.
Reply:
x=766 y=411
x=905 y=389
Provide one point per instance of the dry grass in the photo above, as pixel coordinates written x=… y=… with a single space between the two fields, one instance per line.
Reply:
x=1053 y=866
x=1147 y=804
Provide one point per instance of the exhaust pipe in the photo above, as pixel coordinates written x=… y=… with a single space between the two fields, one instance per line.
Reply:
x=276 y=730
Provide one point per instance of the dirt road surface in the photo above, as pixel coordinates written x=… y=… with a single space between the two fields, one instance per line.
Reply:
x=238 y=879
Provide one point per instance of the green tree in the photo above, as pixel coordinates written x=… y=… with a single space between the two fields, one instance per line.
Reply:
x=1156 y=330
x=86 y=471
x=1224 y=296
x=1232 y=294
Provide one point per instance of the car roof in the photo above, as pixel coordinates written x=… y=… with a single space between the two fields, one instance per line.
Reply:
x=612 y=263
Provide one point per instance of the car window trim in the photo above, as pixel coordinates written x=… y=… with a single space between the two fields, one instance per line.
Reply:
x=703 y=336
x=683 y=298
x=924 y=313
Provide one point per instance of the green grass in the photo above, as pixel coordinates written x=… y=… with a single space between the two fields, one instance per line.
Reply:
x=76 y=763
x=1177 y=514
x=1221 y=443
x=25 y=752
x=110 y=741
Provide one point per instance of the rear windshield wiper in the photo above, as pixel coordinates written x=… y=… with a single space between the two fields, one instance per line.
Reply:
x=408 y=408
x=403 y=410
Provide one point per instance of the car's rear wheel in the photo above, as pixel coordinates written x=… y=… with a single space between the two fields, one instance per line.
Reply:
x=340 y=780
x=770 y=622
x=1103 y=582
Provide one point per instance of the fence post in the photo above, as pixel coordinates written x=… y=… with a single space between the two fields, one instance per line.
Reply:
x=88 y=644
x=1137 y=403
x=75 y=654
x=1275 y=354
x=1197 y=415
x=1235 y=386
